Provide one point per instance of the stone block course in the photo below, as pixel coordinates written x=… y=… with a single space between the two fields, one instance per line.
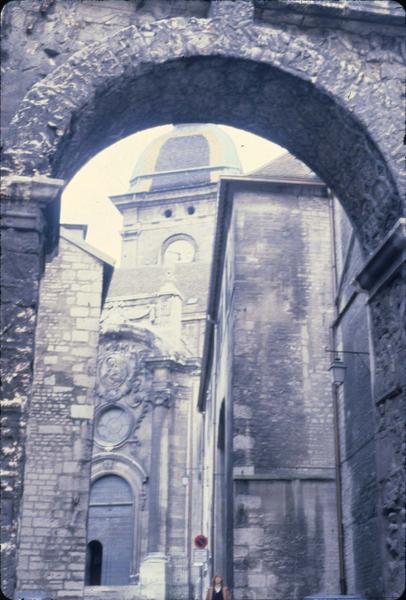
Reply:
x=52 y=457
x=281 y=393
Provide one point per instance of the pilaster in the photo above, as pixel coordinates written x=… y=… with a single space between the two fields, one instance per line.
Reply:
x=383 y=279
x=161 y=398
x=153 y=576
x=29 y=228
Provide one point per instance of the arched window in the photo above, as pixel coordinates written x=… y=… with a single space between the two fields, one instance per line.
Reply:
x=179 y=249
x=110 y=532
x=94 y=559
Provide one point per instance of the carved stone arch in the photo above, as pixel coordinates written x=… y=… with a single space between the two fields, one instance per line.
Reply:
x=110 y=463
x=129 y=466
x=264 y=80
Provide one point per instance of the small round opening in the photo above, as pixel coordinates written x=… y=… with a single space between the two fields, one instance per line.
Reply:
x=191 y=210
x=168 y=213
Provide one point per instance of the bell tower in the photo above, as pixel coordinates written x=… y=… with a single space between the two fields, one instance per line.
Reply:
x=148 y=368
x=168 y=222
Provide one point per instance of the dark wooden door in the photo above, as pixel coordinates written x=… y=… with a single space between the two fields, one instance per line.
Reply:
x=111 y=522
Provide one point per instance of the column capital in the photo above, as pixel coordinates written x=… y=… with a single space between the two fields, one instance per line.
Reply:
x=40 y=189
x=162 y=398
x=32 y=203
x=385 y=262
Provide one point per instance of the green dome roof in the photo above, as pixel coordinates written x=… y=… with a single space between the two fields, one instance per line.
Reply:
x=188 y=155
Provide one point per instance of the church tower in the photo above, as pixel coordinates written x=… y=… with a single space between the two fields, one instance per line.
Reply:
x=142 y=512
x=168 y=228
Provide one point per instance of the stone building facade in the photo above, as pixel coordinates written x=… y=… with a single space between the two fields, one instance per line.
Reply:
x=122 y=523
x=52 y=521
x=149 y=361
x=249 y=458
x=322 y=79
x=266 y=388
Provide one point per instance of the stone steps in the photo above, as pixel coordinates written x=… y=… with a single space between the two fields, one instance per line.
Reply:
x=119 y=592
x=333 y=597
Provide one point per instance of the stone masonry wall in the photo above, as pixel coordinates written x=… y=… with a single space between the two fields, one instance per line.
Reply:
x=284 y=505
x=51 y=31
x=284 y=538
x=363 y=563
x=21 y=267
x=283 y=308
x=52 y=537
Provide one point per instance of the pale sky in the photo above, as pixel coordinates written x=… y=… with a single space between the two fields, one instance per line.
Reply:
x=86 y=197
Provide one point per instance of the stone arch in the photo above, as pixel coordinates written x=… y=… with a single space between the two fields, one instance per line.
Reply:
x=199 y=70
x=128 y=468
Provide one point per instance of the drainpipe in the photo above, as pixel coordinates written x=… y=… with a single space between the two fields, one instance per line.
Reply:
x=203 y=482
x=214 y=491
x=190 y=471
x=334 y=392
x=339 y=498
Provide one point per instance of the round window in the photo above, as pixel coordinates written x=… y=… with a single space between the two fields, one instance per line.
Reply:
x=113 y=426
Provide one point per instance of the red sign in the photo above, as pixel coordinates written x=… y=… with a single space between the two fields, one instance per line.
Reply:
x=201 y=541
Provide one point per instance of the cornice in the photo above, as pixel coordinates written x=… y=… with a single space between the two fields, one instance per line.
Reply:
x=385 y=263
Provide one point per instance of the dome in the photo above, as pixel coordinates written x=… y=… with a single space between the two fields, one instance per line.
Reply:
x=188 y=155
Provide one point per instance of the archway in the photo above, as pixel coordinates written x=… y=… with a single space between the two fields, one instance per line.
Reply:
x=184 y=71
x=202 y=71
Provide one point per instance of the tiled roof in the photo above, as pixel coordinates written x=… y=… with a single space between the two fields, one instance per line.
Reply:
x=192 y=283
x=285 y=166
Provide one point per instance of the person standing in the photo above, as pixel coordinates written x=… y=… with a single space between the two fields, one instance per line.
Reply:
x=218 y=591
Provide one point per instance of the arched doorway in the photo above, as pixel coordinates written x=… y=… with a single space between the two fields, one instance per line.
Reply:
x=110 y=531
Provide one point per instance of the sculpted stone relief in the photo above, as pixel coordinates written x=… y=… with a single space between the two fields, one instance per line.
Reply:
x=118 y=313
x=124 y=387
x=114 y=376
x=119 y=372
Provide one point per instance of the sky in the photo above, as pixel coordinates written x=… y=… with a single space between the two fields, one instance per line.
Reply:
x=86 y=197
